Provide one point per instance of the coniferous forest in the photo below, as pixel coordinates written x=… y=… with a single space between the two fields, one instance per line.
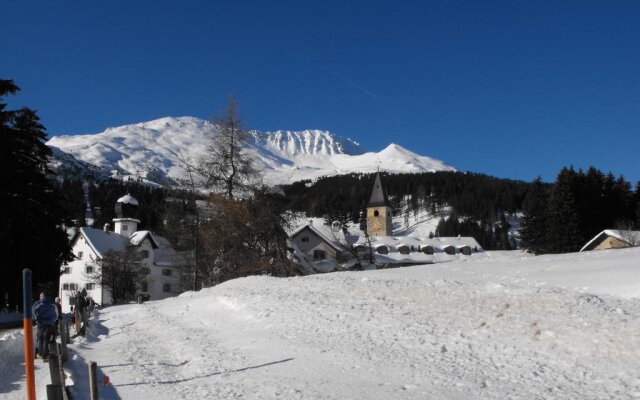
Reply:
x=558 y=217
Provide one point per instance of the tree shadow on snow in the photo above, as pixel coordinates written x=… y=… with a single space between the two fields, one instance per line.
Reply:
x=207 y=375
x=78 y=370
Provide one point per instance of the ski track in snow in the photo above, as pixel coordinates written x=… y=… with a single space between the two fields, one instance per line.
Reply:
x=480 y=329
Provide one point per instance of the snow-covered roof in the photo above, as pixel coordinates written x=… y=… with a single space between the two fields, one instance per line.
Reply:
x=418 y=243
x=138 y=237
x=629 y=237
x=334 y=239
x=165 y=254
x=101 y=242
x=128 y=199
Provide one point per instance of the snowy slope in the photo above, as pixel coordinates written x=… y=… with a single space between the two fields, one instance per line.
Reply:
x=498 y=325
x=153 y=150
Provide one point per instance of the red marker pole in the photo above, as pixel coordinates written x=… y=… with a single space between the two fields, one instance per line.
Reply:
x=28 y=334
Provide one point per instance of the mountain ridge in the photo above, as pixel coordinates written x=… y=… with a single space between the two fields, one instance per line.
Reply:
x=156 y=150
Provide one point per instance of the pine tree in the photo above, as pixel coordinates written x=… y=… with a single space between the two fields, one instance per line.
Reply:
x=534 y=222
x=31 y=215
x=563 y=232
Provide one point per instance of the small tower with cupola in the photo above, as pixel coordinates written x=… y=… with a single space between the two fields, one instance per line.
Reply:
x=125 y=222
x=379 y=213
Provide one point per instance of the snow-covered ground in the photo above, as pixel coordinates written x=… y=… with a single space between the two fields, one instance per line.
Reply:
x=496 y=325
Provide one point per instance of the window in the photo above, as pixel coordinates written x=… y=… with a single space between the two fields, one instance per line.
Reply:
x=404 y=250
x=66 y=270
x=69 y=286
x=90 y=286
x=125 y=227
x=427 y=250
x=79 y=255
x=382 y=250
x=319 y=255
x=89 y=269
x=65 y=286
x=145 y=270
x=376 y=213
x=166 y=272
x=166 y=287
x=304 y=239
x=144 y=253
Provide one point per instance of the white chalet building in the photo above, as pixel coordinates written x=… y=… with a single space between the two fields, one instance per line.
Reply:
x=90 y=245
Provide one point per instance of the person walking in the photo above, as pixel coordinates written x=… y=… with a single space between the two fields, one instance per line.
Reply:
x=81 y=309
x=58 y=302
x=45 y=314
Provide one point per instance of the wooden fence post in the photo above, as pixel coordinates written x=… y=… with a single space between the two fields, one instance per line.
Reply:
x=64 y=335
x=68 y=325
x=54 y=391
x=93 y=380
x=84 y=315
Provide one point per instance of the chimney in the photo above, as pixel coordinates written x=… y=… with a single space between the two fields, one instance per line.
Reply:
x=106 y=227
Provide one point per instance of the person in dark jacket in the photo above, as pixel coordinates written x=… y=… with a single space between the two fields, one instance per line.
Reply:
x=45 y=314
x=81 y=311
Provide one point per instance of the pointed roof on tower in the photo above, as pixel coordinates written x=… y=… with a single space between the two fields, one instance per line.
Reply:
x=378 y=195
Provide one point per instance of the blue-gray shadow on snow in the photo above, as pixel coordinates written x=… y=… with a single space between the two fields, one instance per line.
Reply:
x=203 y=376
x=11 y=374
x=79 y=369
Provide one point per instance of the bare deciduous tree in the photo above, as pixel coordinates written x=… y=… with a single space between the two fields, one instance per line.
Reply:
x=121 y=271
x=246 y=237
x=627 y=232
x=226 y=166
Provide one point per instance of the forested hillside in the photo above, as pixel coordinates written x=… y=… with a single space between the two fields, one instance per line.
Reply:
x=478 y=202
x=558 y=217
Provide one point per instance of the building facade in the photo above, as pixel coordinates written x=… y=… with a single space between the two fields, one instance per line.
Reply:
x=158 y=261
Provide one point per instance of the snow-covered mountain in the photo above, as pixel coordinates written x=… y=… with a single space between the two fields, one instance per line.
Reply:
x=154 y=151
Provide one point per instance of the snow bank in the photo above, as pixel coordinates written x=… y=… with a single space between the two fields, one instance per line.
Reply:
x=500 y=325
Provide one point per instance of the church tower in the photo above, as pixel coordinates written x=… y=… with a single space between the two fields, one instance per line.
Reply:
x=379 y=212
x=126 y=209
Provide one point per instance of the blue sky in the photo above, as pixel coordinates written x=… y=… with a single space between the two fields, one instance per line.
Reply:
x=513 y=89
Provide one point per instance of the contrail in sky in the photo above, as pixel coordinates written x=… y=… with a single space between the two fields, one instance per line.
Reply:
x=342 y=78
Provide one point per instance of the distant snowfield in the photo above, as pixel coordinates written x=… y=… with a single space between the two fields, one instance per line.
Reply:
x=156 y=150
x=492 y=326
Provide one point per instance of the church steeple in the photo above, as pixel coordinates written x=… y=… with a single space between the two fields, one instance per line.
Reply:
x=379 y=212
x=378 y=195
